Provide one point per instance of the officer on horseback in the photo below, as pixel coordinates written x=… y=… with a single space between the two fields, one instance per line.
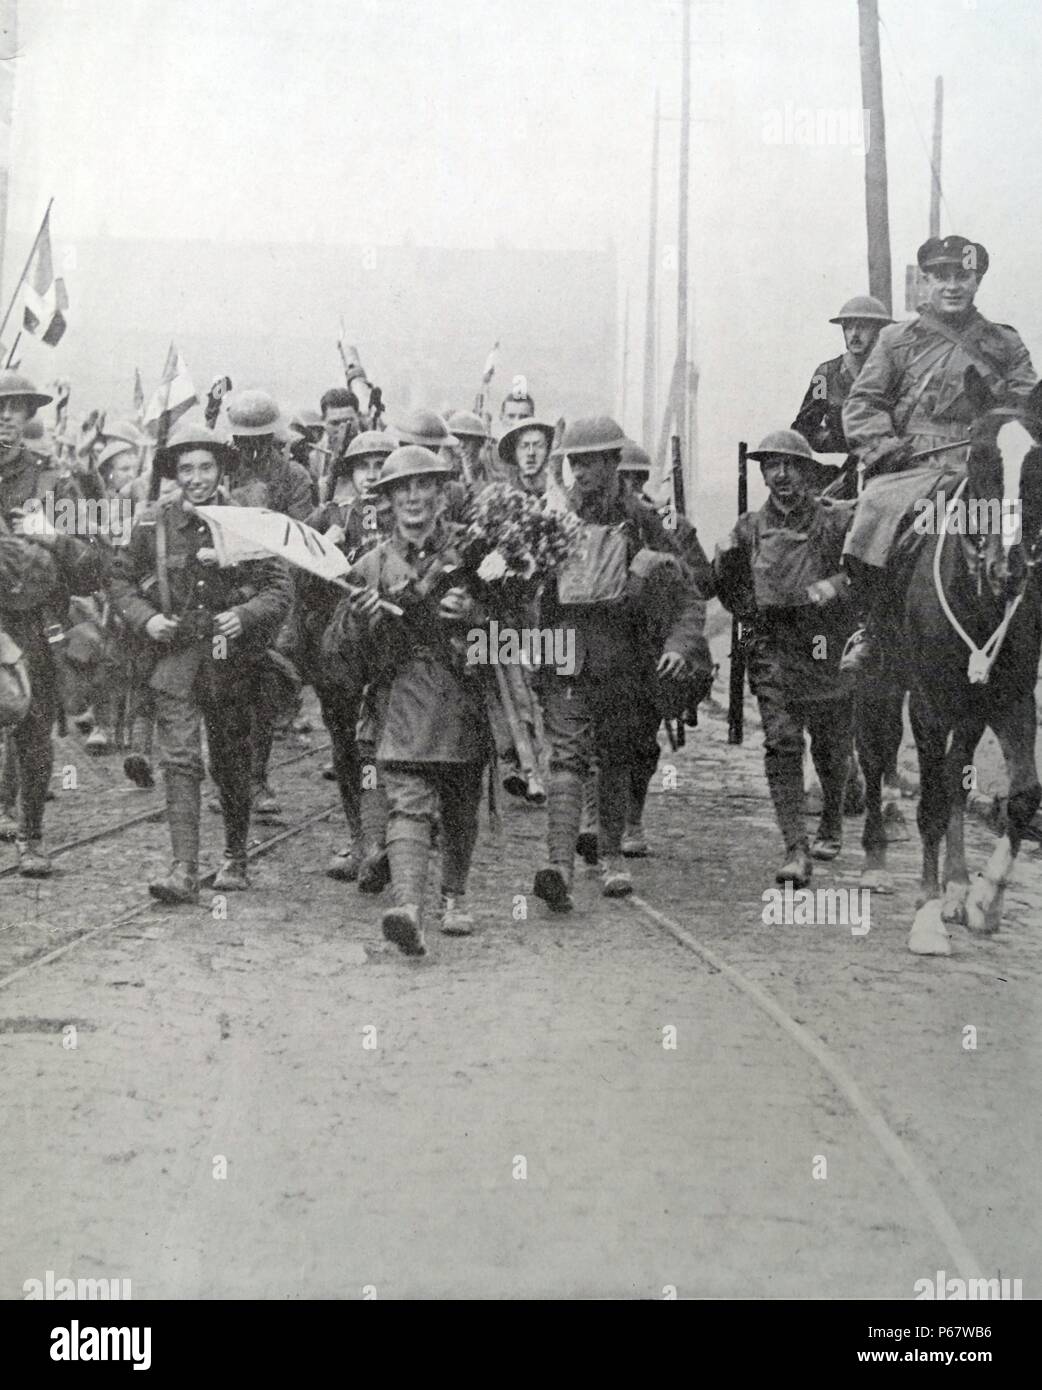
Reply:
x=908 y=416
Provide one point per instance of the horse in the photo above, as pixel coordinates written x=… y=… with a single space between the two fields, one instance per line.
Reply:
x=970 y=641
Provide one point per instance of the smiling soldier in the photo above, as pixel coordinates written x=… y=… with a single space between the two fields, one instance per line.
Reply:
x=209 y=628
x=780 y=572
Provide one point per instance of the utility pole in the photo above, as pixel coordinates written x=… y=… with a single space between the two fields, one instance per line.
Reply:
x=8 y=60
x=650 y=336
x=680 y=380
x=625 y=359
x=876 y=208
x=935 y=161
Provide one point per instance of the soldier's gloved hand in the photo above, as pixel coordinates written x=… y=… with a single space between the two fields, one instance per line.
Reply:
x=161 y=628
x=671 y=666
x=455 y=605
x=207 y=555
x=886 y=456
x=227 y=624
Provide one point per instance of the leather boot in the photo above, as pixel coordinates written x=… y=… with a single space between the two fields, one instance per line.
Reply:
x=616 y=880
x=180 y=885
x=454 y=919
x=344 y=863
x=797 y=868
x=401 y=925
x=231 y=877
x=33 y=859
x=8 y=823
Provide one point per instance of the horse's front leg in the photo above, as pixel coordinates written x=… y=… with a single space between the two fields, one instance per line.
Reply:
x=958 y=773
x=931 y=732
x=1015 y=730
x=870 y=737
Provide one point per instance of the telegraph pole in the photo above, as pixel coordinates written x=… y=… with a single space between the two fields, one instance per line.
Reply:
x=680 y=376
x=935 y=161
x=625 y=359
x=650 y=335
x=876 y=207
x=8 y=59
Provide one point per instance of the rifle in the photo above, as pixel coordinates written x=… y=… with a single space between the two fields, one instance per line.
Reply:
x=679 y=508
x=736 y=694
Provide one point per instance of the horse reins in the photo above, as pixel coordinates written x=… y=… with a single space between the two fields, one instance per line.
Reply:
x=982 y=659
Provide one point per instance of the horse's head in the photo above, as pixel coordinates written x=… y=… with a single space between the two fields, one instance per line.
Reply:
x=1004 y=483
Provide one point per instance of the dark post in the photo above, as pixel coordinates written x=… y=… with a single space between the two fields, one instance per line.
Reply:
x=736 y=694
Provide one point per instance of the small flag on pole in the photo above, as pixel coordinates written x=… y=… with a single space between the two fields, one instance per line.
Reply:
x=491 y=363
x=45 y=297
x=139 y=398
x=174 y=395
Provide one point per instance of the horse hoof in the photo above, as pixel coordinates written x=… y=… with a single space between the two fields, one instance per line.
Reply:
x=877 y=880
x=928 y=936
x=984 y=908
x=953 y=904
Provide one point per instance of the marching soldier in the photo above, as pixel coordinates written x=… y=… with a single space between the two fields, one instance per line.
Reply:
x=354 y=519
x=307 y=430
x=469 y=455
x=427 y=430
x=39 y=572
x=525 y=450
x=429 y=704
x=516 y=405
x=910 y=398
x=820 y=417
x=780 y=571
x=210 y=628
x=264 y=477
x=608 y=708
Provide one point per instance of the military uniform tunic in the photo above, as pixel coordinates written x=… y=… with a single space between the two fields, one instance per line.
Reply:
x=912 y=388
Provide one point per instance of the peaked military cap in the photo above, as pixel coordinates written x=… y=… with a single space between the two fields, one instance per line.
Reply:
x=953 y=250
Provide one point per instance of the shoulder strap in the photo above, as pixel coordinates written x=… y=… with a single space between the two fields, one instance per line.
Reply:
x=969 y=342
x=162 y=577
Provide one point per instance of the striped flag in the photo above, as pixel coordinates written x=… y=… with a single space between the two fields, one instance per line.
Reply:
x=174 y=395
x=45 y=298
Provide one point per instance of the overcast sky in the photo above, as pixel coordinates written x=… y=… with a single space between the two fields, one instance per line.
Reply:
x=465 y=123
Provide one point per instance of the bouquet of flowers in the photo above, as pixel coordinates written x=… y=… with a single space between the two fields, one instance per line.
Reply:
x=513 y=536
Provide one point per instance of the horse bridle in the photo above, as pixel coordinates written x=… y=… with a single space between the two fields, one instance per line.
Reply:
x=982 y=658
